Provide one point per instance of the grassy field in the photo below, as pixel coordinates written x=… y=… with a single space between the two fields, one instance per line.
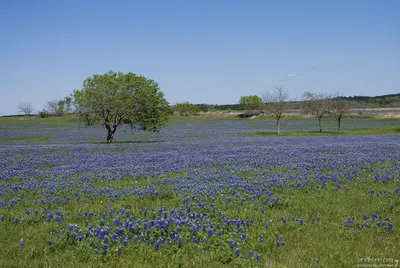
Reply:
x=202 y=193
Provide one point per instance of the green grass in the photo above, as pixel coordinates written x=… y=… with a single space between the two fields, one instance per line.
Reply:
x=327 y=240
x=355 y=132
x=27 y=139
x=21 y=121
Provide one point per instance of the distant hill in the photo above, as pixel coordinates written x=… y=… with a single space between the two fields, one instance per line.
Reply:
x=390 y=100
x=382 y=99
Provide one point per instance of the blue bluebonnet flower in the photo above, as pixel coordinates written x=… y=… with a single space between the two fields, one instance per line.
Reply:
x=258 y=257
x=237 y=251
x=281 y=238
x=210 y=232
x=22 y=242
x=251 y=253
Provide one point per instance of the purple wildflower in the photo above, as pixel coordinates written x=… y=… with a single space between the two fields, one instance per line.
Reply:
x=251 y=253
x=237 y=251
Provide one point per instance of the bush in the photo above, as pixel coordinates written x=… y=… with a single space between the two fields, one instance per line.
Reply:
x=44 y=114
x=187 y=109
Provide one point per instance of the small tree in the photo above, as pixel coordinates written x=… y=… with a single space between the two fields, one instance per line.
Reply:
x=114 y=98
x=339 y=107
x=187 y=109
x=316 y=104
x=276 y=103
x=59 y=107
x=25 y=108
x=251 y=102
x=52 y=107
x=67 y=102
x=43 y=114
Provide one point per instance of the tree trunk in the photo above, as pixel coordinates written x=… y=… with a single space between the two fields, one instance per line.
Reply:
x=338 y=121
x=319 y=123
x=111 y=132
x=277 y=124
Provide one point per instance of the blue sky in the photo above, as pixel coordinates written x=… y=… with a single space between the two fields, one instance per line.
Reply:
x=199 y=51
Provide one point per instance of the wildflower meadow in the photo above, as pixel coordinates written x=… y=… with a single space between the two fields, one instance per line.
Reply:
x=201 y=193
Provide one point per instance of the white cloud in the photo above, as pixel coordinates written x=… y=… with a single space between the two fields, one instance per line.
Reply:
x=291 y=75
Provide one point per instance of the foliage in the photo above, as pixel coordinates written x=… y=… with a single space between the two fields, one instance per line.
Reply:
x=114 y=98
x=380 y=101
x=44 y=114
x=59 y=108
x=251 y=102
x=187 y=109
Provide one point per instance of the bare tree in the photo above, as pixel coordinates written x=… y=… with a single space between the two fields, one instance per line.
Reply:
x=316 y=104
x=25 y=108
x=339 y=107
x=52 y=107
x=276 y=103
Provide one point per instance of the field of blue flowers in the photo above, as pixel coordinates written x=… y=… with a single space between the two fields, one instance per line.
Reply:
x=200 y=193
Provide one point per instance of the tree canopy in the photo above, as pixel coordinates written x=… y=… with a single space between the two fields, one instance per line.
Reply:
x=187 y=109
x=251 y=102
x=115 y=98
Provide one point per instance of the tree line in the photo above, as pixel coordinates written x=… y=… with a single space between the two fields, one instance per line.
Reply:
x=275 y=103
x=114 y=98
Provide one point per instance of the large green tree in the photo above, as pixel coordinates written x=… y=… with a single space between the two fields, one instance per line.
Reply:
x=115 y=98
